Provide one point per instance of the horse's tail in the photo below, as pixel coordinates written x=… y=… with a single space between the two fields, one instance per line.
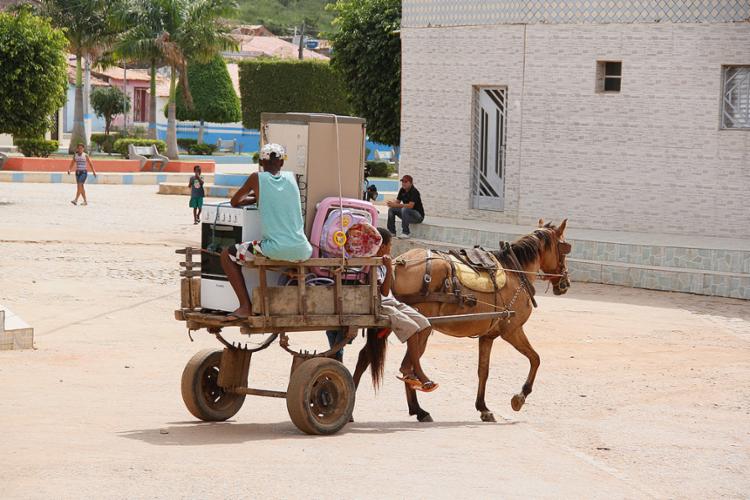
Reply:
x=376 y=347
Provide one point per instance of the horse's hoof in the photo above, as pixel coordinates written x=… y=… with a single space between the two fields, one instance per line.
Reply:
x=487 y=416
x=517 y=402
x=425 y=418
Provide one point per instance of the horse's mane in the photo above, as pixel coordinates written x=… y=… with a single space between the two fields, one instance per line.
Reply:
x=527 y=248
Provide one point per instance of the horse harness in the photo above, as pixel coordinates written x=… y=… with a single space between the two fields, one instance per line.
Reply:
x=452 y=292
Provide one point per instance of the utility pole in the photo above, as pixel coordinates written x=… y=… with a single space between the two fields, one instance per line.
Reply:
x=301 y=39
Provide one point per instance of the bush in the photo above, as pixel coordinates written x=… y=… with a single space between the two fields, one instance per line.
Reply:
x=214 y=98
x=281 y=86
x=104 y=142
x=185 y=142
x=121 y=145
x=36 y=147
x=380 y=168
x=202 y=149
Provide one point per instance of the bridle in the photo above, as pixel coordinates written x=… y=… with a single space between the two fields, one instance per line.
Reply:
x=562 y=248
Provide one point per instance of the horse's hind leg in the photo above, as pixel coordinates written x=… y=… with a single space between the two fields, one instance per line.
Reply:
x=363 y=361
x=483 y=371
x=517 y=338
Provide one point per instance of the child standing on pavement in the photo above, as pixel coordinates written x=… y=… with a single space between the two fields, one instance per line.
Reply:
x=80 y=160
x=197 y=193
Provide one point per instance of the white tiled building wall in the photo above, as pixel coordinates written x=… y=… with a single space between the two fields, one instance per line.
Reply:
x=651 y=158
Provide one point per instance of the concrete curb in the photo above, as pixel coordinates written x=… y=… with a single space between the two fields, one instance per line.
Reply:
x=139 y=178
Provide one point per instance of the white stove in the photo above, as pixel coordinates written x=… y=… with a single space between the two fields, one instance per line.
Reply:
x=221 y=227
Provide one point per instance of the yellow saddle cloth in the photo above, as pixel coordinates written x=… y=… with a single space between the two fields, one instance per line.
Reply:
x=479 y=282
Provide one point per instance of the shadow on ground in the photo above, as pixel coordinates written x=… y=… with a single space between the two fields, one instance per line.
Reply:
x=697 y=304
x=212 y=433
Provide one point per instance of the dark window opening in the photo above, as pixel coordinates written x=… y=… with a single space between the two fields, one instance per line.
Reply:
x=608 y=76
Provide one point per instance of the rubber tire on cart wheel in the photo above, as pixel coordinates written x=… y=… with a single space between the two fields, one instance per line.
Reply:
x=201 y=392
x=320 y=397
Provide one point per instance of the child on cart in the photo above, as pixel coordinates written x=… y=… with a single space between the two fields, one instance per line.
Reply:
x=407 y=323
x=282 y=227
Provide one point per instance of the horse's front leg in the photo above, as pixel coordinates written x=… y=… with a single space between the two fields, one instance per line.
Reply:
x=483 y=371
x=414 y=408
x=517 y=338
x=411 y=393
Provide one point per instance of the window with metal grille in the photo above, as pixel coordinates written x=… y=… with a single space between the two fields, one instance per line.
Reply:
x=608 y=76
x=735 y=102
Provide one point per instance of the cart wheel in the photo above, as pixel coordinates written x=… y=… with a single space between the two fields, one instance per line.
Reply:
x=201 y=392
x=320 y=397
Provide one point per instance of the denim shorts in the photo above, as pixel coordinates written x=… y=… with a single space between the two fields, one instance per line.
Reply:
x=81 y=176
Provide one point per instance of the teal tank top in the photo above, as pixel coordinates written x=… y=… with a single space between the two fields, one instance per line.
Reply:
x=283 y=230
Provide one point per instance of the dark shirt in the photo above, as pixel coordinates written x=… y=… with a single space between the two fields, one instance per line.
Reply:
x=407 y=197
x=196 y=192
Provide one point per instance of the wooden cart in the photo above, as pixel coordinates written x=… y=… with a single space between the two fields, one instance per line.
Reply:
x=321 y=393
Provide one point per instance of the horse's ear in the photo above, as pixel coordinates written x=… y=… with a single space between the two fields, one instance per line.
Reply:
x=561 y=229
x=541 y=222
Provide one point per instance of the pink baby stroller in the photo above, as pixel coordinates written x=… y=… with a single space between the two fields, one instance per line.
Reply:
x=329 y=219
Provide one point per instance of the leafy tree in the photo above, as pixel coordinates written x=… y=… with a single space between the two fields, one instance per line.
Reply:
x=214 y=98
x=33 y=74
x=367 y=53
x=89 y=29
x=141 y=22
x=108 y=102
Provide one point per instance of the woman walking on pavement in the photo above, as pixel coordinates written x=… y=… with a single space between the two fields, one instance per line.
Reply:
x=80 y=159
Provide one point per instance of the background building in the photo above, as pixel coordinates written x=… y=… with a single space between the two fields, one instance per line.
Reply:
x=621 y=115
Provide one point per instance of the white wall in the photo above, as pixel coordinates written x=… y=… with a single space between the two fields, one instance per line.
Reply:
x=651 y=158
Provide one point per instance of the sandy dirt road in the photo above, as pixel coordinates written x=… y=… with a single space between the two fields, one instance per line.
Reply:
x=640 y=394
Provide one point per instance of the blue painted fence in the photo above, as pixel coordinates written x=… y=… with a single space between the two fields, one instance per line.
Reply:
x=249 y=140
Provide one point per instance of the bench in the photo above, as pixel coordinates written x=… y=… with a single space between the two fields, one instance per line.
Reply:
x=386 y=156
x=6 y=155
x=228 y=146
x=147 y=153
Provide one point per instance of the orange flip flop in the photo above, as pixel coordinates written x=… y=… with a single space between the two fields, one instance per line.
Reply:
x=428 y=386
x=411 y=381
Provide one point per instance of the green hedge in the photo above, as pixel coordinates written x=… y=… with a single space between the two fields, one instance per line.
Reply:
x=121 y=145
x=380 y=168
x=185 y=142
x=104 y=142
x=202 y=149
x=41 y=148
x=282 y=86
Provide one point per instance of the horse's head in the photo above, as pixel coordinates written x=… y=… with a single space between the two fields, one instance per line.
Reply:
x=553 y=258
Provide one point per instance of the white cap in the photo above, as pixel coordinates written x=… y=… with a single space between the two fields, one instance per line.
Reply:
x=278 y=149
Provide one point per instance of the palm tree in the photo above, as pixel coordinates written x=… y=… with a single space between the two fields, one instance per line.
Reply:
x=89 y=30
x=193 y=30
x=141 y=21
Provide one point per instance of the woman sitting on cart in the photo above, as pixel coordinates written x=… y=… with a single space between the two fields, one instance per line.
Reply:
x=407 y=323
x=282 y=228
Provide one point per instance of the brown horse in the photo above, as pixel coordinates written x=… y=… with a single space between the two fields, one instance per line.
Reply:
x=543 y=250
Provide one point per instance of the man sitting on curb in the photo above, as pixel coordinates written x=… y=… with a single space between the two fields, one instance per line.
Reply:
x=407 y=206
